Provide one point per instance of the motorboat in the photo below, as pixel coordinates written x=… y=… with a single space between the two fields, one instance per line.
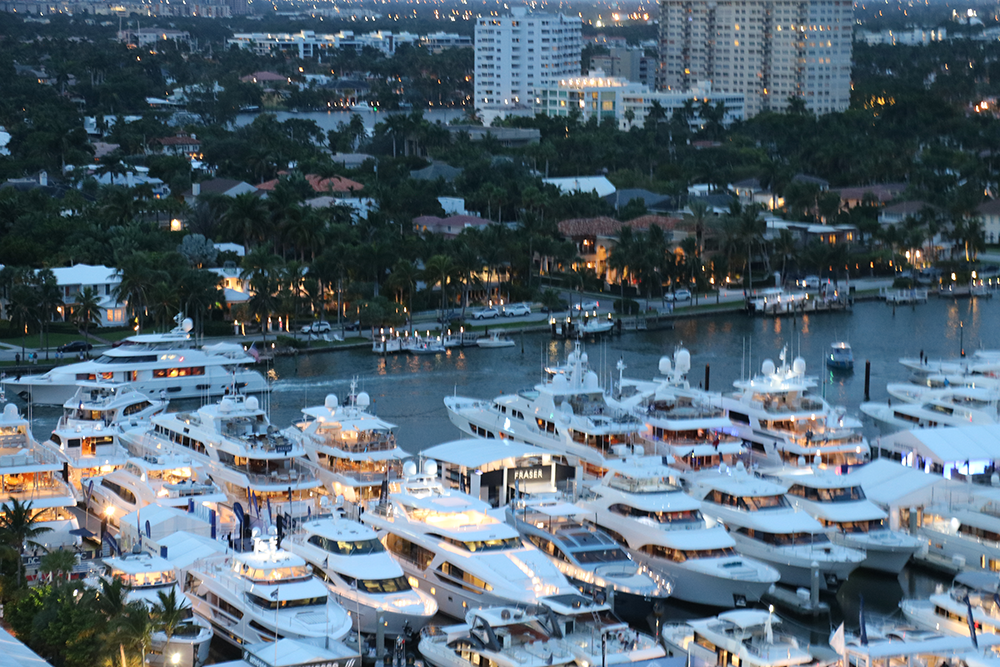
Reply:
x=352 y=450
x=495 y=339
x=158 y=365
x=596 y=636
x=838 y=502
x=568 y=414
x=590 y=558
x=595 y=326
x=169 y=479
x=765 y=526
x=30 y=474
x=680 y=421
x=426 y=347
x=450 y=545
x=894 y=646
x=256 y=596
x=960 y=535
x=639 y=503
x=745 y=637
x=840 y=356
x=497 y=636
x=150 y=578
x=776 y=301
x=776 y=413
x=947 y=612
x=361 y=575
x=932 y=387
x=245 y=455
x=952 y=408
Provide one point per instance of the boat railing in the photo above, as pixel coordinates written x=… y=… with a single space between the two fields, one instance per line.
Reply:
x=26 y=492
x=295 y=473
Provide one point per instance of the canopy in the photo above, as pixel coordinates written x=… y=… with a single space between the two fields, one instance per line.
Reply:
x=475 y=452
x=950 y=445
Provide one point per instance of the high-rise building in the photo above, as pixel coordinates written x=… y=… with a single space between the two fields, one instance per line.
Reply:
x=518 y=53
x=768 y=50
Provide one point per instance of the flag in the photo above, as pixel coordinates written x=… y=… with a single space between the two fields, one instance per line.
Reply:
x=270 y=518
x=837 y=640
x=972 y=622
x=861 y=617
x=253 y=352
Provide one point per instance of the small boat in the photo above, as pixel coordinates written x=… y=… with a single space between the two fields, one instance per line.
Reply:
x=840 y=356
x=426 y=347
x=748 y=637
x=495 y=340
x=596 y=326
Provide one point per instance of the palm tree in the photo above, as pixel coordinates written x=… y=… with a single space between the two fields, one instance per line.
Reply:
x=467 y=262
x=136 y=282
x=133 y=629
x=621 y=256
x=438 y=270
x=87 y=310
x=246 y=219
x=18 y=530
x=785 y=247
x=404 y=278
x=699 y=214
x=169 y=611
x=49 y=300
x=22 y=310
x=59 y=563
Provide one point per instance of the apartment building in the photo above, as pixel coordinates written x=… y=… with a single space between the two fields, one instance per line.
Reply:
x=518 y=53
x=768 y=50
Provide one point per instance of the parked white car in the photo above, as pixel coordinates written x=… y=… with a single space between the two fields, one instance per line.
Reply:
x=517 y=310
x=679 y=295
x=487 y=313
x=317 y=328
x=587 y=305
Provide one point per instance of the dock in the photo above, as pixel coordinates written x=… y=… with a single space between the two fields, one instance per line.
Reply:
x=796 y=602
x=903 y=296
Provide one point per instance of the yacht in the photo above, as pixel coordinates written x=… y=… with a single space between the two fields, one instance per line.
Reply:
x=160 y=364
x=242 y=451
x=595 y=636
x=250 y=597
x=685 y=423
x=948 y=612
x=840 y=356
x=496 y=339
x=147 y=577
x=592 y=561
x=982 y=395
x=744 y=638
x=30 y=474
x=766 y=526
x=959 y=536
x=168 y=479
x=568 y=414
x=782 y=421
x=352 y=450
x=839 y=504
x=499 y=637
x=361 y=575
x=946 y=408
x=450 y=545
x=638 y=503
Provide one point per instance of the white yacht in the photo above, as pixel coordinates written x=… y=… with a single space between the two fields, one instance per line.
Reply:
x=744 y=638
x=685 y=423
x=146 y=577
x=160 y=364
x=361 y=575
x=638 y=504
x=568 y=414
x=254 y=596
x=947 y=612
x=352 y=450
x=169 y=479
x=242 y=452
x=946 y=408
x=596 y=636
x=959 y=536
x=30 y=474
x=593 y=561
x=782 y=421
x=450 y=545
x=765 y=526
x=499 y=637
x=839 y=504
x=932 y=387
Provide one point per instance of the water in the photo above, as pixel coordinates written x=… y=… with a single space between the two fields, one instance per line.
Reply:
x=328 y=120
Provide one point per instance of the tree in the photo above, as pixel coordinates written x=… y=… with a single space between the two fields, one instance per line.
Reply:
x=246 y=219
x=58 y=563
x=198 y=250
x=87 y=308
x=438 y=270
x=49 y=301
x=169 y=611
x=18 y=530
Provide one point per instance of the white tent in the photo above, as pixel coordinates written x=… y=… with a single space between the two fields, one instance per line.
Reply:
x=163 y=521
x=971 y=450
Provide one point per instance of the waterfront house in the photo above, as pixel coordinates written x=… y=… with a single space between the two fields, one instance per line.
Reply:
x=226 y=187
x=595 y=238
x=449 y=227
x=334 y=186
x=180 y=144
x=104 y=279
x=989 y=215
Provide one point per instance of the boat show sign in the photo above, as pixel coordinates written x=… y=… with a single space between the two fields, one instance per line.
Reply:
x=533 y=474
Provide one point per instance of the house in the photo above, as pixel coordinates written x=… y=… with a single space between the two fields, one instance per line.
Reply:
x=234 y=288
x=226 y=187
x=180 y=144
x=651 y=200
x=750 y=191
x=989 y=214
x=894 y=214
x=820 y=183
x=574 y=184
x=806 y=232
x=265 y=78
x=879 y=194
x=595 y=238
x=449 y=227
x=334 y=185
x=133 y=178
x=437 y=170
x=104 y=279
x=360 y=206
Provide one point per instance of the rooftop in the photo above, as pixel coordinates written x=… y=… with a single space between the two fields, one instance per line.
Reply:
x=608 y=227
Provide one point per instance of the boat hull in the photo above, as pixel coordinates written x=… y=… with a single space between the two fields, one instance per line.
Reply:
x=57 y=392
x=691 y=585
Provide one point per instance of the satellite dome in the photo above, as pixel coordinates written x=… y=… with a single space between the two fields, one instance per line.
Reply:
x=666 y=367
x=584 y=358
x=682 y=360
x=364 y=400
x=590 y=381
x=187 y=324
x=430 y=468
x=253 y=403
x=560 y=382
x=767 y=368
x=10 y=411
x=226 y=405
x=409 y=469
x=799 y=366
x=331 y=402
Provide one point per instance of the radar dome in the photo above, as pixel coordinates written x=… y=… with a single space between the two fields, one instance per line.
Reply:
x=409 y=469
x=799 y=366
x=331 y=402
x=187 y=324
x=665 y=366
x=10 y=411
x=560 y=382
x=364 y=400
x=682 y=360
x=590 y=381
x=767 y=368
x=430 y=468
x=740 y=466
x=226 y=405
x=802 y=461
x=584 y=357
x=253 y=403
x=818 y=460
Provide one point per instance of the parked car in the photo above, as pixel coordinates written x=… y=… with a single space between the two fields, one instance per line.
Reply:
x=588 y=305
x=682 y=295
x=352 y=326
x=809 y=282
x=448 y=316
x=76 y=346
x=487 y=313
x=317 y=328
x=517 y=310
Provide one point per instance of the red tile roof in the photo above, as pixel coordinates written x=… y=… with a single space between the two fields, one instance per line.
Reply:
x=179 y=140
x=319 y=184
x=608 y=227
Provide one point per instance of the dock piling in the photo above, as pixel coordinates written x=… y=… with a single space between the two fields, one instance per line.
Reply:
x=868 y=377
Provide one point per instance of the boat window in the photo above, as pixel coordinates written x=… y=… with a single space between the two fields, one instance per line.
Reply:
x=268 y=603
x=835 y=495
x=594 y=556
x=135 y=407
x=748 y=503
x=981 y=533
x=738 y=417
x=408 y=550
x=474 y=546
x=785 y=539
x=347 y=547
x=681 y=555
x=178 y=372
x=262 y=576
x=469 y=582
x=390 y=585
x=136 y=359
x=147 y=579
x=117 y=489
x=665 y=517
x=548 y=547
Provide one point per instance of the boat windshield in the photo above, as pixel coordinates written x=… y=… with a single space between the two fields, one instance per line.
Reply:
x=684 y=517
x=147 y=579
x=597 y=556
x=748 y=503
x=390 y=585
x=131 y=359
x=835 y=495
x=786 y=539
x=501 y=544
x=271 y=575
x=347 y=547
x=267 y=603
